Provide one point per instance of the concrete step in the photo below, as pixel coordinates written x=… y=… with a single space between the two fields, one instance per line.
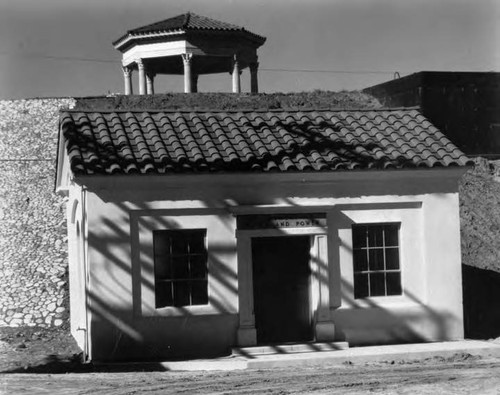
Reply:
x=288 y=348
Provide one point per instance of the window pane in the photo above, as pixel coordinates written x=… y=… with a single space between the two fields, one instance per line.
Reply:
x=197 y=243
x=180 y=267
x=358 y=236
x=360 y=286
x=375 y=236
x=199 y=293
x=163 y=268
x=394 y=283
x=198 y=266
x=163 y=293
x=376 y=259
x=380 y=258
x=181 y=293
x=360 y=259
x=377 y=284
x=391 y=235
x=392 y=258
x=179 y=244
x=161 y=243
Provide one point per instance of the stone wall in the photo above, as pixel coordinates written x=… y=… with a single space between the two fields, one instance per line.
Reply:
x=33 y=247
x=33 y=250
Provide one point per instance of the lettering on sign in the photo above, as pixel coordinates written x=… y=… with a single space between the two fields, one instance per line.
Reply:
x=280 y=221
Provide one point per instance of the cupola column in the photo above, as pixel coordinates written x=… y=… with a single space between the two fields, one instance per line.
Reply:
x=142 y=77
x=254 y=83
x=150 y=78
x=236 y=76
x=188 y=80
x=127 y=74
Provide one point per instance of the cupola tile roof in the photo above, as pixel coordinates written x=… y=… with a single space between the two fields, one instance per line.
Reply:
x=191 y=45
x=143 y=142
x=187 y=22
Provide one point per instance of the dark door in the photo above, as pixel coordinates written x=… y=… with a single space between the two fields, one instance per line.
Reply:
x=281 y=288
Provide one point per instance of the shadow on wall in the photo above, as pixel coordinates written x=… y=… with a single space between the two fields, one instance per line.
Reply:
x=120 y=329
x=123 y=334
x=386 y=326
x=135 y=336
x=130 y=337
x=481 y=289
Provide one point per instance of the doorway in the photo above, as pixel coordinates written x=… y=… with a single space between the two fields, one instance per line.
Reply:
x=281 y=278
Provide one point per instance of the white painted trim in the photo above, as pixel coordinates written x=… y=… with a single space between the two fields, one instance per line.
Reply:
x=74 y=208
x=145 y=222
x=295 y=209
x=281 y=232
x=88 y=309
x=129 y=37
x=410 y=260
x=63 y=171
x=153 y=50
x=324 y=327
x=176 y=181
x=318 y=280
x=64 y=192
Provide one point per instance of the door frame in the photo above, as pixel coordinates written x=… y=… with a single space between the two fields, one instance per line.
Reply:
x=319 y=289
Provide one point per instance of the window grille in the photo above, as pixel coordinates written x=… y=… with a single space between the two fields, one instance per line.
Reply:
x=377 y=269
x=180 y=266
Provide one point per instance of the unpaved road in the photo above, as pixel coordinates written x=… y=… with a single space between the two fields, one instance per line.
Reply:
x=425 y=377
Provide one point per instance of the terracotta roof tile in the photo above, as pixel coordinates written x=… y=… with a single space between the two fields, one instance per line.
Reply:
x=188 y=22
x=202 y=141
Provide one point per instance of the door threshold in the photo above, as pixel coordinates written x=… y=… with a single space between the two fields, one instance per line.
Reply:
x=289 y=348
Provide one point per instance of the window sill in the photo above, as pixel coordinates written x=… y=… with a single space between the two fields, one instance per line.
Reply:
x=171 y=312
x=379 y=302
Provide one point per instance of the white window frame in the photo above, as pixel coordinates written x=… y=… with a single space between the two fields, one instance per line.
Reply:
x=411 y=254
x=384 y=270
x=173 y=280
x=220 y=229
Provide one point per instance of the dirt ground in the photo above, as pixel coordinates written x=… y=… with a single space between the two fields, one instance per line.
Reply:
x=462 y=374
x=38 y=350
x=40 y=361
x=48 y=361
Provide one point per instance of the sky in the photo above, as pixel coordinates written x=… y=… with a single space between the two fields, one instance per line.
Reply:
x=53 y=48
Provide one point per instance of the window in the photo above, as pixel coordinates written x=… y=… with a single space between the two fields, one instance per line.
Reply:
x=376 y=260
x=180 y=266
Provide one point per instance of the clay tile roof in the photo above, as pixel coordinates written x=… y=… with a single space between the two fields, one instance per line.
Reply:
x=188 y=22
x=141 y=142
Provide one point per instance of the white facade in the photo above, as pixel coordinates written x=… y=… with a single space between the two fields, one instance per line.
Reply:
x=112 y=219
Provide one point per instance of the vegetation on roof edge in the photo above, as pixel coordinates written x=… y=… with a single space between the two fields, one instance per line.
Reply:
x=230 y=101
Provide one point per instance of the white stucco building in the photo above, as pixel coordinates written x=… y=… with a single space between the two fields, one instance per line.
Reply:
x=194 y=232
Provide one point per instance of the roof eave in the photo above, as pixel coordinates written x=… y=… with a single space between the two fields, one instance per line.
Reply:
x=232 y=178
x=130 y=37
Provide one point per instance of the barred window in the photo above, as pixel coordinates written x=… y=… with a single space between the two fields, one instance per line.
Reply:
x=377 y=270
x=180 y=266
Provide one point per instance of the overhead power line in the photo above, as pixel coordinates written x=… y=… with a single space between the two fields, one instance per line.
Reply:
x=73 y=58
x=329 y=71
x=285 y=70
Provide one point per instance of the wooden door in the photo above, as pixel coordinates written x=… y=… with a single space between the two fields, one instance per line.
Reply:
x=281 y=277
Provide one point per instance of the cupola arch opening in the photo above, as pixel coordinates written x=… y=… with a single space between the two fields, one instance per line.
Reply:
x=190 y=45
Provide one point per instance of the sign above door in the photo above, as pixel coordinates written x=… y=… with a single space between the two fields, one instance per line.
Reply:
x=281 y=221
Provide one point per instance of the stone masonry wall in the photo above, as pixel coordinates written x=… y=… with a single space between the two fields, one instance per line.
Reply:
x=33 y=250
